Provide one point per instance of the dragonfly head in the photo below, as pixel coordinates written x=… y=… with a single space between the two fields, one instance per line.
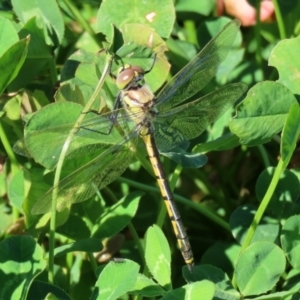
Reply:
x=129 y=76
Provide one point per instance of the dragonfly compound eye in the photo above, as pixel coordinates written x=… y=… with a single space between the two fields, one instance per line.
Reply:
x=124 y=78
x=129 y=74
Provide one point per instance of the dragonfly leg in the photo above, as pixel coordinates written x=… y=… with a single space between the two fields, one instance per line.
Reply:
x=112 y=118
x=154 y=60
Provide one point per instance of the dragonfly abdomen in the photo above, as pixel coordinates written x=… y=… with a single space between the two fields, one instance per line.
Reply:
x=164 y=187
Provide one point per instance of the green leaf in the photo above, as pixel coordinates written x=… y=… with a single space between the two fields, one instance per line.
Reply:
x=147 y=287
x=222 y=255
x=116 y=217
x=223 y=286
x=16 y=190
x=69 y=93
x=116 y=279
x=7 y=219
x=135 y=51
x=38 y=57
x=117 y=40
x=11 y=61
x=276 y=296
x=292 y=280
x=138 y=51
x=87 y=245
x=40 y=290
x=241 y=219
x=262 y=113
x=290 y=240
x=225 y=142
x=87 y=73
x=21 y=261
x=12 y=111
x=284 y=201
x=75 y=228
x=256 y=272
x=80 y=75
x=203 y=290
x=154 y=13
x=8 y=35
x=35 y=188
x=290 y=134
x=284 y=57
x=180 y=53
x=158 y=256
x=185 y=159
x=48 y=15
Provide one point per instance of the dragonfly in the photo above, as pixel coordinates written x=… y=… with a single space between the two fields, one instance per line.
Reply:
x=161 y=122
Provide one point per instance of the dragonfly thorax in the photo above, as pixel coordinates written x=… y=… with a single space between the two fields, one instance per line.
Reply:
x=139 y=101
x=140 y=96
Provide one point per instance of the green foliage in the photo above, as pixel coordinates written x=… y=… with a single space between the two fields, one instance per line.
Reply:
x=21 y=261
x=240 y=204
x=255 y=265
x=254 y=115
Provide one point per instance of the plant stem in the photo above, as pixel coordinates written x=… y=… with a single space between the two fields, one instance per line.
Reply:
x=196 y=206
x=279 y=19
x=59 y=169
x=85 y=25
x=261 y=210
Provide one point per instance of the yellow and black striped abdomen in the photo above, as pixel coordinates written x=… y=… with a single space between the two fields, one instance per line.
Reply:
x=164 y=187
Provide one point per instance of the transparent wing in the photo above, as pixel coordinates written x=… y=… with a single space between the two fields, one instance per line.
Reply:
x=83 y=183
x=47 y=131
x=188 y=121
x=196 y=74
